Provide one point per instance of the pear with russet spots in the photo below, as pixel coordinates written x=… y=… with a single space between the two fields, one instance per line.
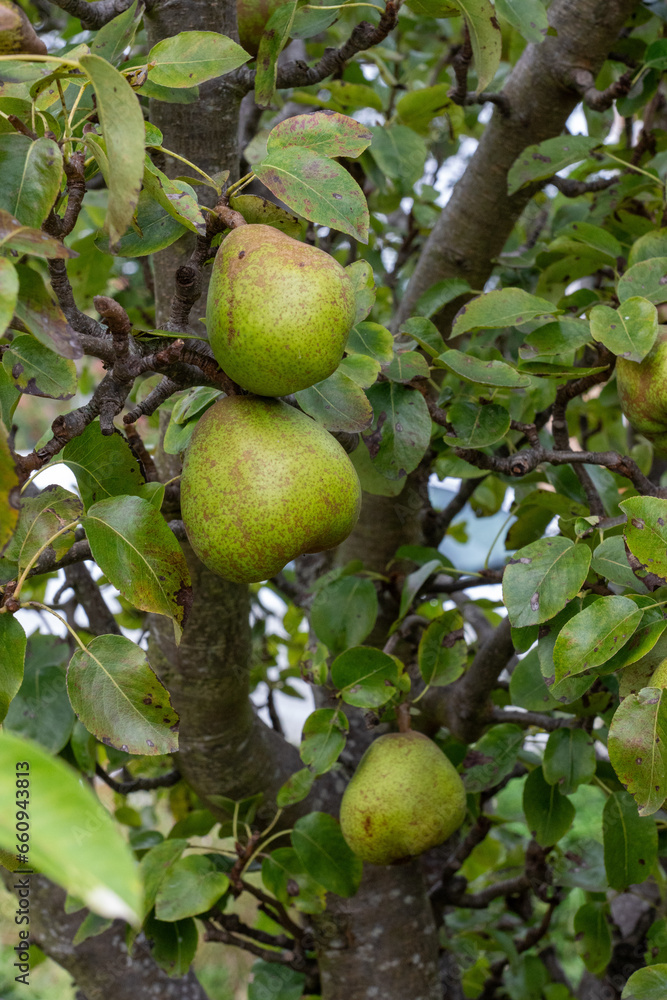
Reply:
x=262 y=483
x=16 y=32
x=642 y=395
x=278 y=312
x=404 y=798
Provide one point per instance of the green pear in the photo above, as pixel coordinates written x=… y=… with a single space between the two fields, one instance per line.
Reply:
x=252 y=18
x=404 y=798
x=263 y=483
x=642 y=391
x=278 y=311
x=16 y=32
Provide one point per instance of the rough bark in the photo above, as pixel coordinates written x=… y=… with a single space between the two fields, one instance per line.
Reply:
x=480 y=215
x=101 y=966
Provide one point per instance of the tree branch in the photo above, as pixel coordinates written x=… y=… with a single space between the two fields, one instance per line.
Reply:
x=94 y=15
x=298 y=74
x=583 y=81
x=138 y=784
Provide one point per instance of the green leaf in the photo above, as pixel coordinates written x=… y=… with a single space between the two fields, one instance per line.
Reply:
x=192 y=57
x=541 y=578
x=439 y=295
x=317 y=188
x=39 y=311
x=123 y=128
x=630 y=842
x=549 y=814
x=295 y=789
x=274 y=37
x=499 y=308
x=371 y=339
x=434 y=8
x=191 y=886
x=284 y=875
x=325 y=133
x=103 y=464
x=91 y=926
x=485 y=38
x=611 y=562
x=344 y=612
x=492 y=758
x=176 y=197
x=13 y=645
x=651 y=244
x=569 y=759
x=495 y=373
x=402 y=422
x=139 y=555
x=527 y=685
x=647 y=984
x=593 y=636
x=646 y=531
x=259 y=211
x=442 y=650
x=360 y=273
x=528 y=17
x=364 y=676
x=399 y=152
x=644 y=279
x=636 y=744
x=406 y=366
x=157 y=230
x=119 y=699
x=361 y=369
x=337 y=403
x=417 y=108
x=154 y=866
x=31 y=176
x=593 y=936
x=425 y=333
x=23 y=239
x=317 y=840
x=560 y=337
x=275 y=982
x=354 y=95
x=9 y=290
x=41 y=710
x=323 y=738
x=113 y=38
x=40 y=517
x=184 y=95
x=415 y=581
x=73 y=841
x=173 y=944
x=545 y=159
x=629 y=331
x=477 y=426
x=37 y=371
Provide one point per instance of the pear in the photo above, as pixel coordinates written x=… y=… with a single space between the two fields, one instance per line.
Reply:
x=404 y=798
x=16 y=32
x=263 y=483
x=278 y=311
x=642 y=391
x=252 y=18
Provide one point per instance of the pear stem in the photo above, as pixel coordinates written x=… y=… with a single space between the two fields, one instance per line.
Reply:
x=403 y=717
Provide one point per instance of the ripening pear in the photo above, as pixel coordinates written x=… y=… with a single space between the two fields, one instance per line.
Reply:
x=262 y=483
x=16 y=32
x=404 y=798
x=642 y=391
x=253 y=16
x=278 y=311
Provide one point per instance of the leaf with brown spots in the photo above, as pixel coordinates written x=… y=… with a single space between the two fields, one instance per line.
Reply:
x=542 y=577
x=139 y=555
x=596 y=634
x=646 y=532
x=115 y=693
x=545 y=159
x=485 y=38
x=317 y=188
x=637 y=747
x=37 y=371
x=324 y=132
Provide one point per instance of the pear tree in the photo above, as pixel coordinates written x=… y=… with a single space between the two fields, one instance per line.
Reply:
x=333 y=539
